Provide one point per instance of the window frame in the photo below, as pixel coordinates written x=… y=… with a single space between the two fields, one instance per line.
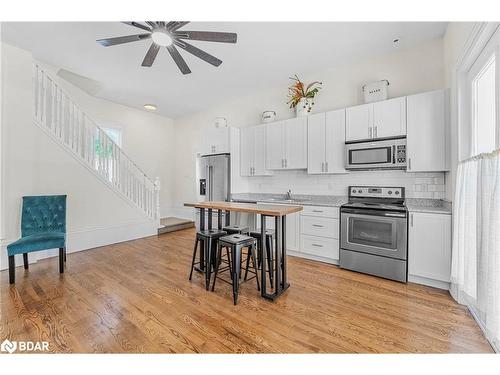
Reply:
x=482 y=46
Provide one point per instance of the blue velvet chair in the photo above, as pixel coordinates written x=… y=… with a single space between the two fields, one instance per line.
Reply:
x=43 y=227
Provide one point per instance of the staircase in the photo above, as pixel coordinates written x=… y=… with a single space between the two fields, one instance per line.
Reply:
x=59 y=116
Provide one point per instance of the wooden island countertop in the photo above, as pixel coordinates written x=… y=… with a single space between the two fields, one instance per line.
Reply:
x=263 y=209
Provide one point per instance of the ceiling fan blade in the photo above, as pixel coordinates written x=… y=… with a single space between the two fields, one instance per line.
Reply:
x=150 y=57
x=123 y=39
x=152 y=24
x=181 y=63
x=198 y=52
x=139 y=25
x=208 y=36
x=174 y=25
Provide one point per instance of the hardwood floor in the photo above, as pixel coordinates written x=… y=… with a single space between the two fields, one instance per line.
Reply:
x=136 y=297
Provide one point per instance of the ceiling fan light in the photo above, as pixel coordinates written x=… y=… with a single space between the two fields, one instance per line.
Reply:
x=150 y=107
x=161 y=38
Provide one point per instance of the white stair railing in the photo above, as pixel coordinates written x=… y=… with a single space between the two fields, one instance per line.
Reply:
x=57 y=113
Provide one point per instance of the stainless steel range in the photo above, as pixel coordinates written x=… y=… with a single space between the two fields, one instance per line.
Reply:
x=374 y=232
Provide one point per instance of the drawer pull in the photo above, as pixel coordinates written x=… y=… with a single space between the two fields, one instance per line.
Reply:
x=317 y=225
x=317 y=211
x=316 y=245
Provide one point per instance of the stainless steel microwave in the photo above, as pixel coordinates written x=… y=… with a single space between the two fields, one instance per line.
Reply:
x=378 y=154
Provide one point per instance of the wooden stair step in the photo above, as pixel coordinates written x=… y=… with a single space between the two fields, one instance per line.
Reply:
x=172 y=224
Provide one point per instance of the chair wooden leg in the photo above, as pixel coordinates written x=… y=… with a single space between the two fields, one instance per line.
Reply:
x=25 y=260
x=61 y=260
x=12 y=269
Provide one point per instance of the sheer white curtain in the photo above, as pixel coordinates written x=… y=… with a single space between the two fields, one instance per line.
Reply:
x=476 y=240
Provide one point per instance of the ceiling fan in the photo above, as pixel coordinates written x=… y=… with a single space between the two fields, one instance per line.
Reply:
x=167 y=34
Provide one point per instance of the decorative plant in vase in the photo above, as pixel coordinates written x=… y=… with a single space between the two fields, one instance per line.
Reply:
x=300 y=98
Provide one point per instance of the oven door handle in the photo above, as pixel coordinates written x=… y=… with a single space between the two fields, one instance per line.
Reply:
x=372 y=212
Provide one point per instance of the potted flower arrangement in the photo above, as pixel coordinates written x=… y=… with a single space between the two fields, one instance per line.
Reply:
x=302 y=98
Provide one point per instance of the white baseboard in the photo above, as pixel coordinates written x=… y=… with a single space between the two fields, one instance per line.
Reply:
x=187 y=213
x=88 y=239
x=429 y=282
x=312 y=257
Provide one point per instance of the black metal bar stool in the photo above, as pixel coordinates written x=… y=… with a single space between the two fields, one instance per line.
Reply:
x=236 y=242
x=209 y=239
x=236 y=229
x=270 y=234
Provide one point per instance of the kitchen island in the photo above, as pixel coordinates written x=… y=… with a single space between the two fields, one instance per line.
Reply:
x=278 y=212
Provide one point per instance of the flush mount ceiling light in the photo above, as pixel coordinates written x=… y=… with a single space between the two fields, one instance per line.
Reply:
x=167 y=34
x=161 y=38
x=150 y=107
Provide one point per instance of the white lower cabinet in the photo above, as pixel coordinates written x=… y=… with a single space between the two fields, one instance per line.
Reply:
x=429 y=247
x=319 y=233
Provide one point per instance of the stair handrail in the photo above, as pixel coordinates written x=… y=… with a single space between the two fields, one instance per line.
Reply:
x=63 y=107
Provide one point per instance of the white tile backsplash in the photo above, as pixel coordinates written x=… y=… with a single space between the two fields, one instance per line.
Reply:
x=417 y=185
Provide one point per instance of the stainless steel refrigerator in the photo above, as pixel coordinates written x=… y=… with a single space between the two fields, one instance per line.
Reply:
x=213 y=175
x=213 y=181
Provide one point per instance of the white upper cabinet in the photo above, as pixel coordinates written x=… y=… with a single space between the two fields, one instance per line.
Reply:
x=286 y=144
x=429 y=246
x=253 y=151
x=376 y=120
x=260 y=152
x=247 y=151
x=325 y=142
x=316 y=143
x=358 y=122
x=389 y=118
x=215 y=141
x=275 y=146
x=427 y=146
x=296 y=143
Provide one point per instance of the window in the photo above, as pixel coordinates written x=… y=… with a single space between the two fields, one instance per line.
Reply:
x=483 y=108
x=115 y=135
x=481 y=85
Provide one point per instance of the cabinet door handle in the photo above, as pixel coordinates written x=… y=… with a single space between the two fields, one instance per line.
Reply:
x=317 y=225
x=411 y=220
x=409 y=164
x=375 y=132
x=317 y=211
x=286 y=163
x=369 y=132
x=326 y=167
x=322 y=167
x=316 y=245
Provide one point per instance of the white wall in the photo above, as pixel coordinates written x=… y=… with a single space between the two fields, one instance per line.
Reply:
x=147 y=138
x=454 y=41
x=408 y=71
x=33 y=164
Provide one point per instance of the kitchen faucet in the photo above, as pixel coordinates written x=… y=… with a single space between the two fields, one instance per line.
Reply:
x=289 y=194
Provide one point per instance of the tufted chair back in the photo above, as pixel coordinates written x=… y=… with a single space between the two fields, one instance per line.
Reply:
x=42 y=214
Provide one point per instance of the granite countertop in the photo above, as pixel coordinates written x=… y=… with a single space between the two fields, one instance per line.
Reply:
x=437 y=206
x=431 y=206
x=300 y=199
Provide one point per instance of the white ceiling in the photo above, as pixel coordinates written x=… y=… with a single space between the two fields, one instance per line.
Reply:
x=265 y=55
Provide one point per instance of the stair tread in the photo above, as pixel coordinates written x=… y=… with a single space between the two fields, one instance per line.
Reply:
x=174 y=221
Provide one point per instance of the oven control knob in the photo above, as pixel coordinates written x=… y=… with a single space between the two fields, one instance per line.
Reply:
x=354 y=191
x=397 y=193
x=389 y=192
x=360 y=191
